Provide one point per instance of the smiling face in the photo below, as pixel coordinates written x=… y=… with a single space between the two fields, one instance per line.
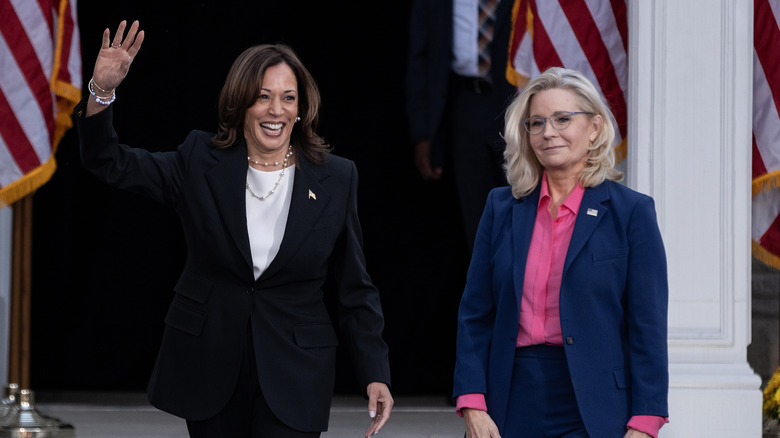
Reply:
x=565 y=150
x=268 y=123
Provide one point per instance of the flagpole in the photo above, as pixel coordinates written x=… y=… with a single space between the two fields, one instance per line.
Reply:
x=21 y=288
x=6 y=221
x=20 y=416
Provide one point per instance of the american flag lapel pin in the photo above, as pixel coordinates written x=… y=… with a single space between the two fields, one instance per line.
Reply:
x=592 y=212
x=312 y=195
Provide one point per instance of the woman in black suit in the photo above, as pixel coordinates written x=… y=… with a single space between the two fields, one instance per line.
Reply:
x=268 y=215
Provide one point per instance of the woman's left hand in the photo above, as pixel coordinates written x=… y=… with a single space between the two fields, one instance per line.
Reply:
x=633 y=433
x=380 y=403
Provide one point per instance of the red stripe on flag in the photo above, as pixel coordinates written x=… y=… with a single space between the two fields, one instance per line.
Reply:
x=589 y=37
x=63 y=74
x=758 y=162
x=16 y=140
x=621 y=20
x=24 y=53
x=544 y=52
x=766 y=37
x=771 y=239
x=47 y=9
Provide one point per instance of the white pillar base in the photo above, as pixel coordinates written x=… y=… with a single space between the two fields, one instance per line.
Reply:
x=713 y=400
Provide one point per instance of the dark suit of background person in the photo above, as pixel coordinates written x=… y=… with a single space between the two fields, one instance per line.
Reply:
x=461 y=117
x=218 y=303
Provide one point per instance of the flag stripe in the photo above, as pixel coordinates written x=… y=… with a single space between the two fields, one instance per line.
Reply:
x=758 y=164
x=23 y=129
x=65 y=33
x=766 y=36
x=621 y=21
x=11 y=130
x=771 y=239
x=544 y=52
x=766 y=121
x=595 y=51
x=70 y=70
x=24 y=52
x=9 y=171
x=609 y=20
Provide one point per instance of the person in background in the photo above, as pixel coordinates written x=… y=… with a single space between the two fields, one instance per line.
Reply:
x=562 y=327
x=456 y=95
x=269 y=216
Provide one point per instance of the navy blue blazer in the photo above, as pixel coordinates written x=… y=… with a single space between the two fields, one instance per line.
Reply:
x=217 y=295
x=613 y=306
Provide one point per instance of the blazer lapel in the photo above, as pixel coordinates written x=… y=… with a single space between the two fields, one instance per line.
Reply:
x=227 y=181
x=309 y=199
x=592 y=210
x=523 y=218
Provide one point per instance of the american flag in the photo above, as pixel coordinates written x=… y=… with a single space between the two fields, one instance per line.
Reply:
x=766 y=132
x=590 y=36
x=40 y=83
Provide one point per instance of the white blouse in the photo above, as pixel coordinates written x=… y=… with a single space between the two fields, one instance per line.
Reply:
x=266 y=219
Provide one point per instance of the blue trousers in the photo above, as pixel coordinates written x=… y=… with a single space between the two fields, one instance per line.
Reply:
x=541 y=401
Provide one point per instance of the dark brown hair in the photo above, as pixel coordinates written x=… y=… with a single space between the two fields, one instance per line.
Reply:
x=242 y=87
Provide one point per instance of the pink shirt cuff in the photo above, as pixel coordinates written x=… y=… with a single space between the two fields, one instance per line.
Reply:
x=470 y=401
x=649 y=424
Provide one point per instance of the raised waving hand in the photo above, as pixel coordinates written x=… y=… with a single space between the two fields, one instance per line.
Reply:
x=112 y=64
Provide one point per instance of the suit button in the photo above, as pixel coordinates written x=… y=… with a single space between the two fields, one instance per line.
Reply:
x=250 y=291
x=569 y=340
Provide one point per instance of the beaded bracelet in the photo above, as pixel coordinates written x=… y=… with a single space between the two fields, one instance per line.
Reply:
x=101 y=100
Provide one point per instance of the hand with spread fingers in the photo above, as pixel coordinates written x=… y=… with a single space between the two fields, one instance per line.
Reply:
x=380 y=403
x=113 y=64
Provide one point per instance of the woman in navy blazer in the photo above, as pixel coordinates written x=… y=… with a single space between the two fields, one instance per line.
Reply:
x=563 y=340
x=269 y=217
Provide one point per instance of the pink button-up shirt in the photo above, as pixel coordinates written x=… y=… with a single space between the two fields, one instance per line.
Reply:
x=540 y=321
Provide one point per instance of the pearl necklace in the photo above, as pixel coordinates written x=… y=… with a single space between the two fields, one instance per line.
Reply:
x=276 y=163
x=281 y=175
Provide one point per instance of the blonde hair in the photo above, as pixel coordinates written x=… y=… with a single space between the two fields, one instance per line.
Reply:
x=523 y=170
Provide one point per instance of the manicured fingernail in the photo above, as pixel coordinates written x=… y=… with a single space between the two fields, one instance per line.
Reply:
x=372 y=414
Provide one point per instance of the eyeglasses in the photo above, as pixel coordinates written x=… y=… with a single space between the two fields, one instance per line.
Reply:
x=559 y=120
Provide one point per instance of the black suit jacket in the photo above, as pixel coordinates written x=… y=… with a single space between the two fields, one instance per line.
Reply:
x=429 y=66
x=217 y=295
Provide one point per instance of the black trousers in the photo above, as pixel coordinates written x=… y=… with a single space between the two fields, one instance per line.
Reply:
x=247 y=414
x=475 y=124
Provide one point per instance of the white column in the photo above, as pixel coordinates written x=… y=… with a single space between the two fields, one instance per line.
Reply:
x=690 y=104
x=6 y=230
